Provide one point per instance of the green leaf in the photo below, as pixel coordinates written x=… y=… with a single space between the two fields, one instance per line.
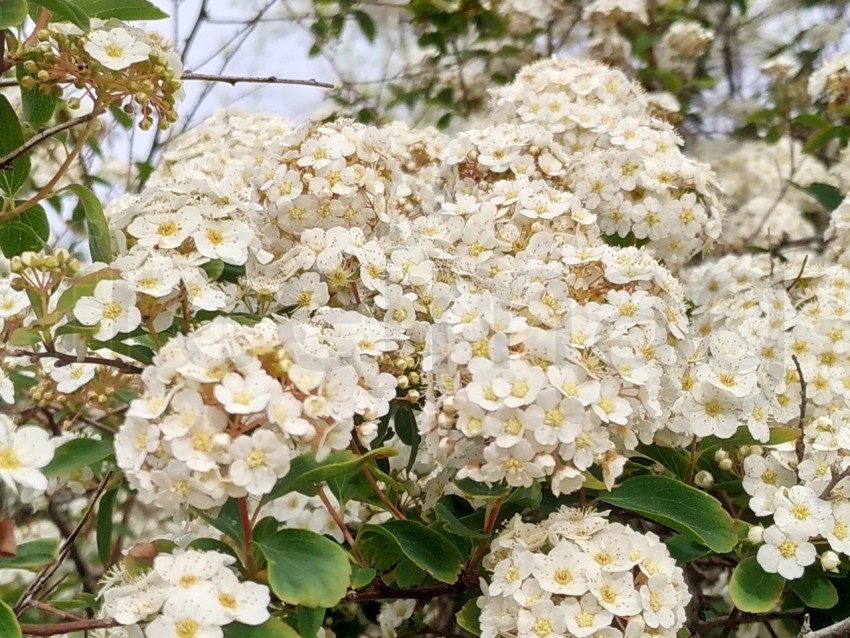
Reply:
x=407 y=430
x=100 y=243
x=360 y=576
x=66 y=11
x=678 y=506
x=77 y=454
x=675 y=461
x=272 y=628
x=24 y=337
x=142 y=354
x=105 y=511
x=11 y=137
x=32 y=555
x=28 y=230
x=825 y=135
x=121 y=9
x=752 y=589
x=38 y=107
x=468 y=617
x=366 y=24
x=9 y=627
x=684 y=549
x=213 y=268
x=228 y=520
x=474 y=489
x=305 y=568
x=12 y=13
x=305 y=473
x=425 y=547
x=308 y=620
x=815 y=589
x=826 y=195
x=448 y=512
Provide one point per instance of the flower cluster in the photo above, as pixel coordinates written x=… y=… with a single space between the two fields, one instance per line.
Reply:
x=226 y=407
x=114 y=64
x=624 y=166
x=565 y=365
x=577 y=574
x=186 y=593
x=831 y=80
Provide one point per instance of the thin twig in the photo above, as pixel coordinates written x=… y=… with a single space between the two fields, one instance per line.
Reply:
x=378 y=591
x=801 y=444
x=44 y=575
x=65 y=359
x=837 y=475
x=269 y=79
x=342 y=526
x=799 y=276
x=38 y=138
x=29 y=629
x=840 y=629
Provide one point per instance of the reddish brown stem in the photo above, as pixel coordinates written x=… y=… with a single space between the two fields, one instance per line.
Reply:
x=67 y=627
x=342 y=527
x=39 y=25
x=242 y=501
x=376 y=488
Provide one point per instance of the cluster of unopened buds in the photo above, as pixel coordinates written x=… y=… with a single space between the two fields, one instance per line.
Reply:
x=114 y=64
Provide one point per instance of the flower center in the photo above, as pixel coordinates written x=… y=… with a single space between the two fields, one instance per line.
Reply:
x=256 y=458
x=9 y=460
x=227 y=600
x=114 y=51
x=186 y=628
x=787 y=548
x=562 y=576
x=542 y=627
x=111 y=310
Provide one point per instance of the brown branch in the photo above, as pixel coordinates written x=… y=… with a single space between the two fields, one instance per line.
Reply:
x=799 y=275
x=269 y=79
x=745 y=618
x=38 y=138
x=840 y=629
x=837 y=476
x=67 y=627
x=378 y=591
x=67 y=359
x=87 y=578
x=801 y=444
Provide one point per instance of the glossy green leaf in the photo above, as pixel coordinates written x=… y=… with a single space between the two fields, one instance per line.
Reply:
x=9 y=627
x=425 y=547
x=25 y=337
x=38 y=107
x=105 y=511
x=12 y=13
x=815 y=589
x=407 y=430
x=28 y=230
x=468 y=617
x=121 y=9
x=305 y=568
x=142 y=354
x=308 y=620
x=13 y=176
x=65 y=10
x=77 y=454
x=678 y=506
x=305 y=473
x=32 y=555
x=684 y=548
x=825 y=135
x=676 y=461
x=752 y=589
x=448 y=512
x=272 y=628
x=100 y=242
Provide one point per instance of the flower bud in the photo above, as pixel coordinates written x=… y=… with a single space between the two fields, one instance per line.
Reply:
x=720 y=455
x=413 y=396
x=704 y=479
x=829 y=560
x=726 y=464
x=755 y=534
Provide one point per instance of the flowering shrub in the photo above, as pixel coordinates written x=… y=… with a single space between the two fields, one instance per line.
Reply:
x=561 y=359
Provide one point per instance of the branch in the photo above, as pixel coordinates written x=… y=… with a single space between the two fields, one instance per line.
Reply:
x=67 y=359
x=270 y=79
x=801 y=444
x=67 y=627
x=379 y=591
x=839 y=630
x=38 y=138
x=745 y=618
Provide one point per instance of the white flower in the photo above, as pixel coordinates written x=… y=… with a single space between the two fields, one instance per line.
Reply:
x=23 y=452
x=560 y=571
x=225 y=240
x=258 y=461
x=586 y=616
x=616 y=593
x=116 y=48
x=190 y=568
x=112 y=309
x=246 y=602
x=131 y=603
x=787 y=554
x=186 y=614
x=71 y=377
x=799 y=511
x=543 y=620
x=244 y=395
